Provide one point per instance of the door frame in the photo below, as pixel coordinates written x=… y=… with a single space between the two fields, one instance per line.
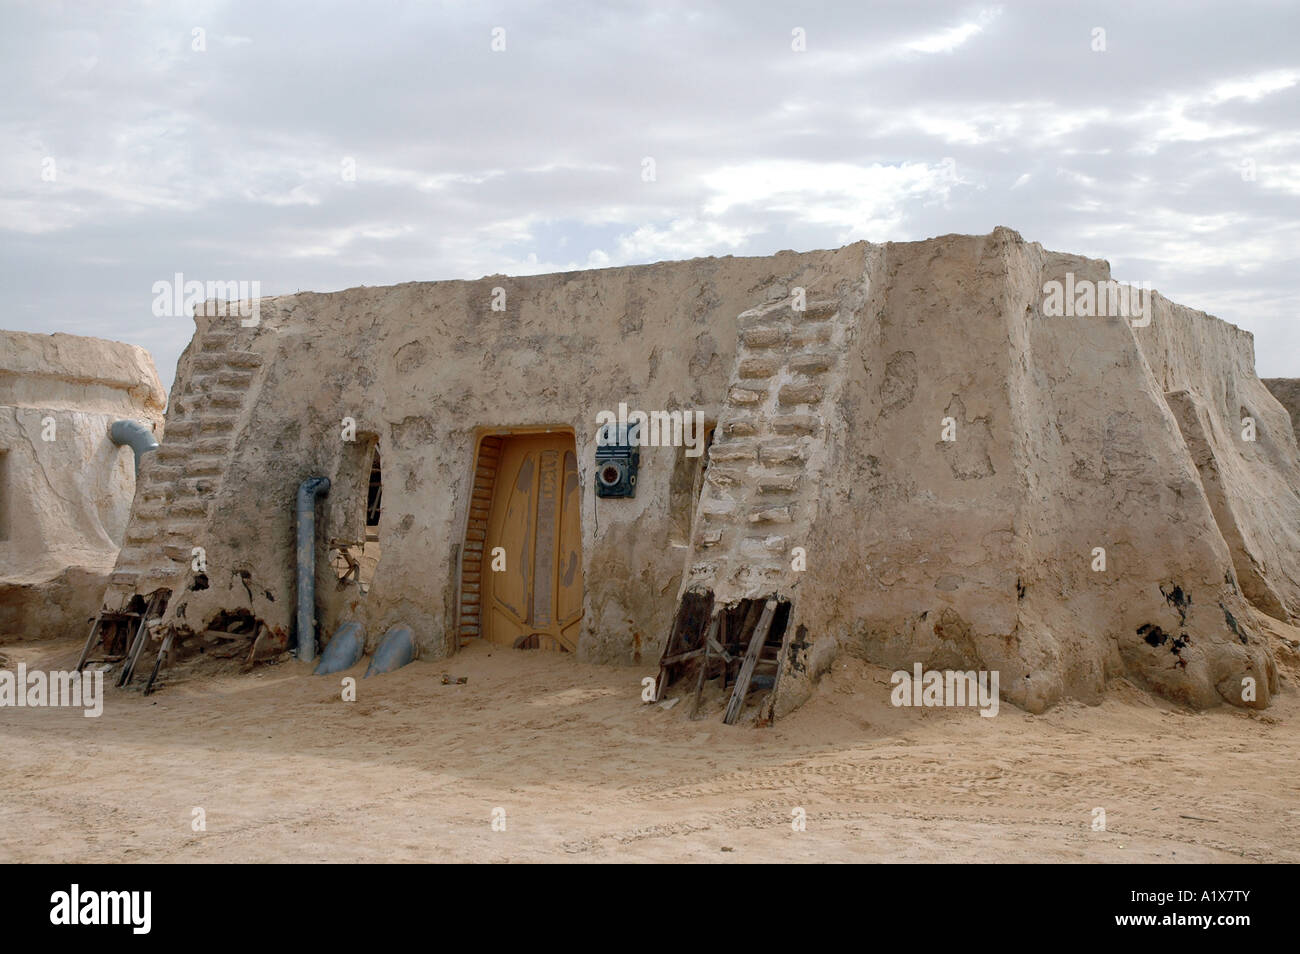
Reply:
x=459 y=639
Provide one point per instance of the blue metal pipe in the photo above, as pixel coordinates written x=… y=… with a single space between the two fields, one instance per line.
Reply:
x=308 y=491
x=343 y=651
x=135 y=434
x=394 y=651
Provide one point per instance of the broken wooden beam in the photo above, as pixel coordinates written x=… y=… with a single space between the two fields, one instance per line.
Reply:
x=225 y=634
x=704 y=663
x=157 y=665
x=257 y=644
x=756 y=641
x=681 y=657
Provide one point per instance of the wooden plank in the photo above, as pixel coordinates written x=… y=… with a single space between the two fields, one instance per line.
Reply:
x=756 y=642
x=749 y=622
x=689 y=619
x=141 y=637
x=132 y=658
x=718 y=613
x=162 y=653
x=90 y=642
x=225 y=634
x=780 y=669
x=661 y=683
x=677 y=658
x=716 y=646
x=262 y=630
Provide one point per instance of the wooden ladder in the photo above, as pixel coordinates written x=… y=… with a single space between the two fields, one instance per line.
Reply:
x=140 y=623
x=753 y=658
x=684 y=643
x=748 y=651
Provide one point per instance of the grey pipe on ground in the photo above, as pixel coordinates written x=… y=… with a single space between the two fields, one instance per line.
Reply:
x=308 y=491
x=134 y=434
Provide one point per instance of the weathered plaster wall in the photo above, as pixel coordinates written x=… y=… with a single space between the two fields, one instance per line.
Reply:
x=66 y=501
x=978 y=553
x=426 y=366
x=1072 y=434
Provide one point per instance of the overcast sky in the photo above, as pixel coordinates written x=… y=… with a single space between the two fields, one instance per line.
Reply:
x=1174 y=152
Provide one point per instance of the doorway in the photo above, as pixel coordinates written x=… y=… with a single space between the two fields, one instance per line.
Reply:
x=532 y=548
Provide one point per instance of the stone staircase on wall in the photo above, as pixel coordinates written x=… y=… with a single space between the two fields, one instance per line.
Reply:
x=178 y=481
x=762 y=485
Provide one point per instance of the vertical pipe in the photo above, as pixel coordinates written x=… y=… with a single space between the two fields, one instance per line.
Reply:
x=308 y=491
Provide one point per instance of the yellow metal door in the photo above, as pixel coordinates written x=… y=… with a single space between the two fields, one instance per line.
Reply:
x=536 y=601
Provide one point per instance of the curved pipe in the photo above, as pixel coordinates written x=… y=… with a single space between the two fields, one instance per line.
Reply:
x=394 y=651
x=308 y=491
x=343 y=651
x=135 y=434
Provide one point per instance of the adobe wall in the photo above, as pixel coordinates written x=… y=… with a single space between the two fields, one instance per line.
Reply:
x=1071 y=434
x=426 y=366
x=68 y=487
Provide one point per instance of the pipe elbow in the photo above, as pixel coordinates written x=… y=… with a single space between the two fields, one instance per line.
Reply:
x=309 y=490
x=134 y=434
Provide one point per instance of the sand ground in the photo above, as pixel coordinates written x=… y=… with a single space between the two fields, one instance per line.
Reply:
x=285 y=770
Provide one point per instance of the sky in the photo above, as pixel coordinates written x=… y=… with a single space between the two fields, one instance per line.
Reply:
x=327 y=145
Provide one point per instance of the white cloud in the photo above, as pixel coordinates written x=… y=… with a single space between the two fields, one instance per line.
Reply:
x=471 y=163
x=945 y=41
x=682 y=238
x=1253 y=88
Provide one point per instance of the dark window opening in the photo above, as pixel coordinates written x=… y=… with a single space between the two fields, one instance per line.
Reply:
x=374 y=496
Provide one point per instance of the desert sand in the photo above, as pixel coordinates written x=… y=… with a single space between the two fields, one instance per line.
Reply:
x=284 y=770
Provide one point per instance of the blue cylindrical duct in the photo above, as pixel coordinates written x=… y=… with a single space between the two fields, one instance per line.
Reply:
x=135 y=434
x=394 y=651
x=308 y=491
x=343 y=651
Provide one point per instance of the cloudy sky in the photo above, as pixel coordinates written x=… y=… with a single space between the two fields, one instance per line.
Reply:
x=218 y=140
